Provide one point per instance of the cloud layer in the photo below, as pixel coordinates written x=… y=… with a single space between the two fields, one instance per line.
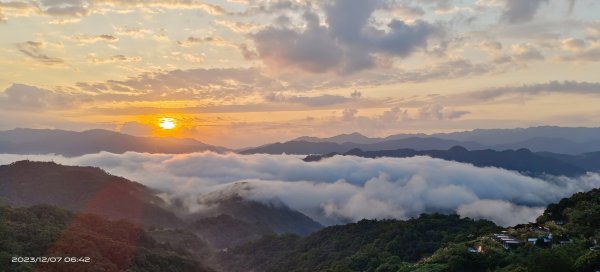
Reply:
x=341 y=189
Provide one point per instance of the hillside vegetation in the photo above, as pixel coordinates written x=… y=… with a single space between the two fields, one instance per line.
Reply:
x=436 y=243
x=111 y=245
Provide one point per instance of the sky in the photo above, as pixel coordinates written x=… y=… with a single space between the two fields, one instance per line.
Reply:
x=240 y=73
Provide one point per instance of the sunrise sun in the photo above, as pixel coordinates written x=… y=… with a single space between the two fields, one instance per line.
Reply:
x=167 y=123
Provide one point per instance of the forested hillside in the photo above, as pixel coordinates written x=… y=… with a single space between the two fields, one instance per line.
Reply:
x=362 y=246
x=110 y=245
x=564 y=239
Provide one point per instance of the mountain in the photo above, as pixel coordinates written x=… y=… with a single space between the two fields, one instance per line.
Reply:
x=92 y=190
x=297 y=147
x=224 y=231
x=564 y=140
x=436 y=243
x=108 y=245
x=360 y=246
x=522 y=160
x=588 y=161
x=579 y=214
x=554 y=145
x=306 y=148
x=418 y=143
x=342 y=138
x=260 y=218
x=82 y=189
x=71 y=143
x=508 y=136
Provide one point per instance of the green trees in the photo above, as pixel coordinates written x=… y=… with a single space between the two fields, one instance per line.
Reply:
x=588 y=262
x=368 y=245
x=41 y=231
x=549 y=260
x=433 y=243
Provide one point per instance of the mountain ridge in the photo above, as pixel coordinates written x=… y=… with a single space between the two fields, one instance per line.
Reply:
x=72 y=143
x=554 y=139
x=522 y=160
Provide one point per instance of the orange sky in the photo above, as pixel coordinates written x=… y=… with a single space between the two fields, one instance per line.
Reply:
x=246 y=72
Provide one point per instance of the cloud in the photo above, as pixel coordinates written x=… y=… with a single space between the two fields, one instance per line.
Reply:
x=225 y=83
x=504 y=212
x=166 y=4
x=519 y=11
x=112 y=59
x=438 y=112
x=311 y=101
x=271 y=7
x=526 y=52
x=580 y=51
x=529 y=90
x=310 y=50
x=80 y=8
x=240 y=27
x=573 y=45
x=195 y=40
x=94 y=39
x=348 y=43
x=24 y=97
x=394 y=115
x=349 y=114
x=67 y=8
x=35 y=51
x=342 y=188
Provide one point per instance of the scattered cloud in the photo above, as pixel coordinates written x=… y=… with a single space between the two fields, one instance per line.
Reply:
x=439 y=112
x=311 y=101
x=394 y=115
x=580 y=51
x=184 y=85
x=90 y=39
x=35 y=50
x=112 y=59
x=573 y=45
x=240 y=27
x=526 y=52
x=195 y=40
x=530 y=90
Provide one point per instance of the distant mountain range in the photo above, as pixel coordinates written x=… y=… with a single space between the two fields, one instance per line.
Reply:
x=523 y=160
x=561 y=140
x=71 y=143
x=488 y=137
x=306 y=148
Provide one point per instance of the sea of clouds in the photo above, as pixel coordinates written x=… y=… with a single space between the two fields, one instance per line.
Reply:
x=340 y=189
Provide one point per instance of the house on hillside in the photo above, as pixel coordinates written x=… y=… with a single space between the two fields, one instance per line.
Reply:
x=507 y=242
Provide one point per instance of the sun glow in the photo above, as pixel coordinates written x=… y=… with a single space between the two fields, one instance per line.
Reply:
x=167 y=123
